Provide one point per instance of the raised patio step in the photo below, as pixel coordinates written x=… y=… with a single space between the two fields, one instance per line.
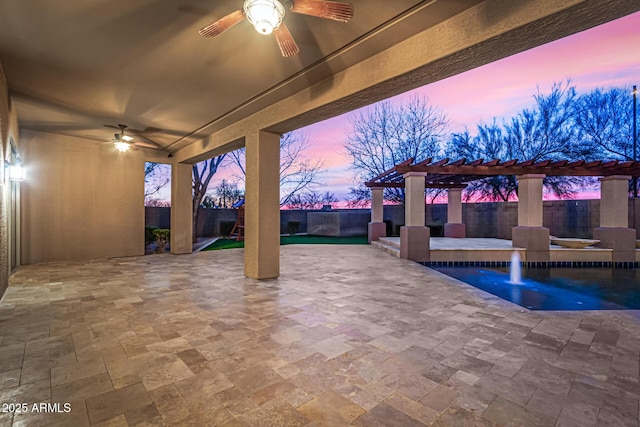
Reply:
x=393 y=241
x=387 y=247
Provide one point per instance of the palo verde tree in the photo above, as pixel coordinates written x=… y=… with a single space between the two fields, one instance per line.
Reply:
x=298 y=171
x=387 y=134
x=489 y=143
x=604 y=118
x=201 y=177
x=544 y=132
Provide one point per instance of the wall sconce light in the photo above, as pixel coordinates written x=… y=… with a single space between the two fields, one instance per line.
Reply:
x=265 y=15
x=15 y=171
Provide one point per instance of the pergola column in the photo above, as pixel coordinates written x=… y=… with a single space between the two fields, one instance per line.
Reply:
x=181 y=209
x=454 y=226
x=414 y=236
x=262 y=209
x=613 y=232
x=377 y=228
x=530 y=233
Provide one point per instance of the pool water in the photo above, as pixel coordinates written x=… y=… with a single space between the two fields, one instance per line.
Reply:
x=557 y=288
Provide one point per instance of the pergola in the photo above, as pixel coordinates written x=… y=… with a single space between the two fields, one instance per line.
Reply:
x=530 y=234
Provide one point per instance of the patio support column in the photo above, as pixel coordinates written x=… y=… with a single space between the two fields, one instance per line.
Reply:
x=613 y=232
x=377 y=227
x=262 y=211
x=414 y=236
x=181 y=238
x=530 y=233
x=454 y=226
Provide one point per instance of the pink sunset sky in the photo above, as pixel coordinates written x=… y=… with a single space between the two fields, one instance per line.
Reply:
x=608 y=55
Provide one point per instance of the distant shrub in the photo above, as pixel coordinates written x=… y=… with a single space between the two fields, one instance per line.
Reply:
x=293 y=227
x=162 y=238
x=149 y=236
x=226 y=227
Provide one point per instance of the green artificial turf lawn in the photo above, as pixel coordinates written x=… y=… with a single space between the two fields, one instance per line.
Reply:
x=292 y=240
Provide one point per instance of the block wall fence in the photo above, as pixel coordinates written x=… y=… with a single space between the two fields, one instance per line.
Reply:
x=564 y=218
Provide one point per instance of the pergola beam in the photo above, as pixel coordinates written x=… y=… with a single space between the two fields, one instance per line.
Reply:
x=445 y=174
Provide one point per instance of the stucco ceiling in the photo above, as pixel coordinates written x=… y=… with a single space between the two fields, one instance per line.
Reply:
x=74 y=66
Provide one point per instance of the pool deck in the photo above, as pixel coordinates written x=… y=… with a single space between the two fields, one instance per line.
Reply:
x=488 y=249
x=346 y=336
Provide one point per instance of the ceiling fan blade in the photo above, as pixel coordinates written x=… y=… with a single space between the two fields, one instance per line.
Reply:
x=222 y=24
x=143 y=141
x=336 y=10
x=286 y=43
x=146 y=144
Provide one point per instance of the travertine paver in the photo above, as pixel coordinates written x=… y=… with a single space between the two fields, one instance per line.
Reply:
x=346 y=335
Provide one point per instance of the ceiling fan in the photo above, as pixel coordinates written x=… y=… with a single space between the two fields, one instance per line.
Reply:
x=267 y=15
x=123 y=142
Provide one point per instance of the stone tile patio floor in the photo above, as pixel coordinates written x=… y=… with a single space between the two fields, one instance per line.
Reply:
x=347 y=335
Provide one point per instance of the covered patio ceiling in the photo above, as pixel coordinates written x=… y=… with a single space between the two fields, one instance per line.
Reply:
x=456 y=174
x=73 y=67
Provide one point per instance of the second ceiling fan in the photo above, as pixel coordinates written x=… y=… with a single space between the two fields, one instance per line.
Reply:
x=267 y=15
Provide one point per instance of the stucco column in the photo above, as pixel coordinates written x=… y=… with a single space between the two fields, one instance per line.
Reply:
x=530 y=200
x=414 y=236
x=181 y=209
x=530 y=233
x=262 y=211
x=454 y=226
x=614 y=201
x=414 y=199
x=614 y=232
x=377 y=227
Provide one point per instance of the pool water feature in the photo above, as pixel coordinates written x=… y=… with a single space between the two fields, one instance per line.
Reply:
x=557 y=288
x=515 y=269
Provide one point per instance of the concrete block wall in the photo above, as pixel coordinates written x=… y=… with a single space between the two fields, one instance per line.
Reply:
x=564 y=218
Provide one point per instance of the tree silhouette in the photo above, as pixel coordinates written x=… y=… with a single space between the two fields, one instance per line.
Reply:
x=387 y=134
x=202 y=173
x=298 y=172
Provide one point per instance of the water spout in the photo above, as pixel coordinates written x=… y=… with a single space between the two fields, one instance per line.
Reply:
x=515 y=276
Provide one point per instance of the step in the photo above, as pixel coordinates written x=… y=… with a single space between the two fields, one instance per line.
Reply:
x=389 y=248
x=395 y=243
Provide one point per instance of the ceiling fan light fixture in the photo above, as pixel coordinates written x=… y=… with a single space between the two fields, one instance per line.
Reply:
x=127 y=138
x=265 y=15
x=122 y=146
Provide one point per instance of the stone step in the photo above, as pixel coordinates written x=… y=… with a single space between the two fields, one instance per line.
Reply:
x=393 y=243
x=391 y=249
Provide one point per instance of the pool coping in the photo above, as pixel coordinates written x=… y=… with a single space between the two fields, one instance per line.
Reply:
x=535 y=264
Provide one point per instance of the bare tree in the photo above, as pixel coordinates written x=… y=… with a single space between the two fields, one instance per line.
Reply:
x=156 y=177
x=202 y=174
x=311 y=200
x=295 y=202
x=328 y=198
x=228 y=193
x=387 y=134
x=157 y=203
x=359 y=197
x=298 y=171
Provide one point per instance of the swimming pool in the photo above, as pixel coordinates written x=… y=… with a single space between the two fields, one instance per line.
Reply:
x=557 y=288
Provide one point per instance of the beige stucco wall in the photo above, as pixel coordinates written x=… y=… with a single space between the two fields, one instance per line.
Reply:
x=81 y=199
